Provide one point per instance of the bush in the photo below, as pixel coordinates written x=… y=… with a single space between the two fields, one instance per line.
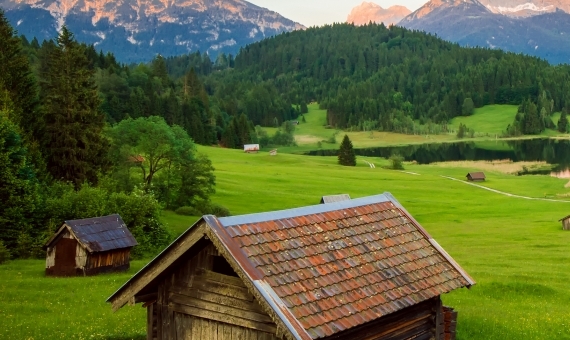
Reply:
x=209 y=208
x=188 y=211
x=397 y=162
x=4 y=253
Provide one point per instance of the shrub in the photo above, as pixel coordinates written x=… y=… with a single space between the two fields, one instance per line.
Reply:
x=209 y=208
x=188 y=211
x=396 y=162
x=4 y=253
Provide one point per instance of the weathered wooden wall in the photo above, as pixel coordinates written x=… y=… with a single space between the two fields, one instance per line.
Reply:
x=108 y=261
x=418 y=322
x=566 y=224
x=194 y=302
x=67 y=257
x=60 y=258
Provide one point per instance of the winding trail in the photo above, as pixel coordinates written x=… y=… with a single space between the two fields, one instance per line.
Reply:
x=505 y=193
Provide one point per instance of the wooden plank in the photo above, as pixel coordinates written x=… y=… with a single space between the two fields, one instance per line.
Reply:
x=438 y=319
x=196 y=328
x=238 y=333
x=206 y=314
x=217 y=298
x=183 y=325
x=226 y=331
x=223 y=289
x=171 y=255
x=149 y=321
x=217 y=277
x=219 y=308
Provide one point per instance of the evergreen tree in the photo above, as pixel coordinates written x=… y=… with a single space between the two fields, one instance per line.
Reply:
x=563 y=122
x=18 y=187
x=346 y=154
x=19 y=89
x=73 y=145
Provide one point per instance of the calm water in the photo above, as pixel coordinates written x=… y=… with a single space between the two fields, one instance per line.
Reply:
x=549 y=150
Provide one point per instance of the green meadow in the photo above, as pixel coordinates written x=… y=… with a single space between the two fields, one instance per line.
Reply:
x=513 y=247
x=488 y=122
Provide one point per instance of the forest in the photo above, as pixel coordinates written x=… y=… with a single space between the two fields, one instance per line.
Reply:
x=83 y=134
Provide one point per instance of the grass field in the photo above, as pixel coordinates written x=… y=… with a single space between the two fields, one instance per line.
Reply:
x=514 y=248
x=489 y=122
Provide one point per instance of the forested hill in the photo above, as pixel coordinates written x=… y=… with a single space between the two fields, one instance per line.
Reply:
x=385 y=78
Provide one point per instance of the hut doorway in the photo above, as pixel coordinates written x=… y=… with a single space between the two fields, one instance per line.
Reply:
x=65 y=256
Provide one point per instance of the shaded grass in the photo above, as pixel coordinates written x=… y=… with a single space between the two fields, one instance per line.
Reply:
x=514 y=248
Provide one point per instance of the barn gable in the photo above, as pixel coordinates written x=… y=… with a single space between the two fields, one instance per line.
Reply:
x=322 y=271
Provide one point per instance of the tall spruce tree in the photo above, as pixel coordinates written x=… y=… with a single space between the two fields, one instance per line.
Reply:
x=346 y=154
x=72 y=145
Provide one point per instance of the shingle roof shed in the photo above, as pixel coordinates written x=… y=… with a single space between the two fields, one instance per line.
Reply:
x=326 y=268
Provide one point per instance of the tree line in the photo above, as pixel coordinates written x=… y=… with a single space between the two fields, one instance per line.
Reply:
x=63 y=156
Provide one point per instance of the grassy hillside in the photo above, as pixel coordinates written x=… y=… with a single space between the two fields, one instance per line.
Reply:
x=491 y=119
x=514 y=248
x=489 y=122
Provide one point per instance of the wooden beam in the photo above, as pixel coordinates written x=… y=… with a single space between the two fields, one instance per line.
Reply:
x=220 y=308
x=206 y=314
x=157 y=266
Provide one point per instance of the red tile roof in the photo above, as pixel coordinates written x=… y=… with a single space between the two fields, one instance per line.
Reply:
x=332 y=268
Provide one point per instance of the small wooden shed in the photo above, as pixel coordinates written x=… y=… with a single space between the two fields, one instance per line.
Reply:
x=565 y=222
x=476 y=176
x=273 y=152
x=90 y=246
x=357 y=269
x=335 y=198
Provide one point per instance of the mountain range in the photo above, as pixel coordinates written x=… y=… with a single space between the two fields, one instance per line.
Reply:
x=471 y=23
x=137 y=30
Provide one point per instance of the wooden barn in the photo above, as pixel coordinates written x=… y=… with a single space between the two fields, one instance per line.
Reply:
x=476 y=176
x=90 y=246
x=357 y=269
x=251 y=148
x=565 y=222
x=335 y=198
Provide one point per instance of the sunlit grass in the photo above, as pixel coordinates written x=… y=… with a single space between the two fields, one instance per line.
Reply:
x=514 y=248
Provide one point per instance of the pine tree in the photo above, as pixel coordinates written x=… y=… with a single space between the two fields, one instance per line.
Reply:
x=73 y=146
x=346 y=154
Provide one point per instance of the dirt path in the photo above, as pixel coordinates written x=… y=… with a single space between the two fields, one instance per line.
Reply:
x=506 y=193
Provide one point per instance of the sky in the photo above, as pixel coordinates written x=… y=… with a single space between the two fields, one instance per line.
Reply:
x=321 y=12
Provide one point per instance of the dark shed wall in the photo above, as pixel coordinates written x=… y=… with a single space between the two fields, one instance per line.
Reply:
x=108 y=261
x=421 y=321
x=60 y=259
x=194 y=302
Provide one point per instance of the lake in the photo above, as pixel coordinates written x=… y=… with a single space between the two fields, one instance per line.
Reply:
x=552 y=151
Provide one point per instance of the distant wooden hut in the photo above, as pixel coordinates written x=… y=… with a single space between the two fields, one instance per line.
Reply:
x=335 y=198
x=251 y=148
x=476 y=176
x=565 y=222
x=90 y=246
x=358 y=269
x=273 y=152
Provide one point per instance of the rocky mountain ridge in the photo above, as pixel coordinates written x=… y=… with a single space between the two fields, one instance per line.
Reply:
x=371 y=12
x=136 y=30
x=471 y=23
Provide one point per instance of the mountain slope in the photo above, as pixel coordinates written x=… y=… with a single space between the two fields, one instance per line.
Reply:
x=471 y=23
x=371 y=12
x=136 y=30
